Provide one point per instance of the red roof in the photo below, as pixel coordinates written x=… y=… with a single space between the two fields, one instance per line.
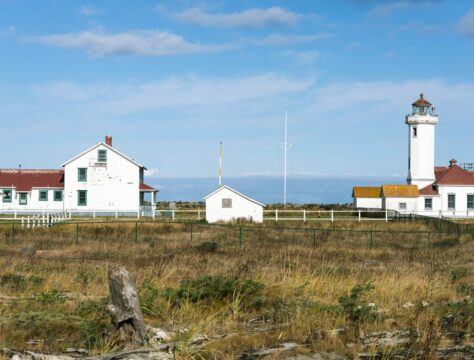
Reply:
x=145 y=187
x=421 y=101
x=440 y=171
x=455 y=175
x=25 y=180
x=429 y=190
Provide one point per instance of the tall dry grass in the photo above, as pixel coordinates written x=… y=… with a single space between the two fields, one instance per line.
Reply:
x=56 y=299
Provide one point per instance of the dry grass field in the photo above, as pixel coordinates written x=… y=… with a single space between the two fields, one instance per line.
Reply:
x=245 y=287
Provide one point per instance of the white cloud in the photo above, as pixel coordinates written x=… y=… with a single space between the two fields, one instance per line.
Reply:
x=284 y=40
x=389 y=8
x=7 y=32
x=152 y=172
x=88 y=10
x=185 y=91
x=251 y=18
x=139 y=42
x=466 y=24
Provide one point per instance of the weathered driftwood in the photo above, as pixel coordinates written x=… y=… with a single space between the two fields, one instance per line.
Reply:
x=125 y=308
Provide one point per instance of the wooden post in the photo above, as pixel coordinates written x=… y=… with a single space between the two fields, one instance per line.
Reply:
x=124 y=307
x=136 y=231
x=173 y=214
x=304 y=215
x=359 y=216
x=241 y=237
x=386 y=215
x=276 y=214
x=199 y=214
x=332 y=215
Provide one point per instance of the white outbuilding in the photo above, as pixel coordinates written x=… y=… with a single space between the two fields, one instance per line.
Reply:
x=226 y=204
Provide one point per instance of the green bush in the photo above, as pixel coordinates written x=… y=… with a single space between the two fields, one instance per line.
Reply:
x=446 y=244
x=209 y=246
x=355 y=308
x=13 y=281
x=212 y=288
x=53 y=296
x=459 y=273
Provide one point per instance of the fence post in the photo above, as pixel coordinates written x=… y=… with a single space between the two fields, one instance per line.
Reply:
x=77 y=233
x=386 y=215
x=14 y=214
x=199 y=214
x=173 y=214
x=136 y=231
x=304 y=215
x=241 y=237
x=276 y=214
x=332 y=215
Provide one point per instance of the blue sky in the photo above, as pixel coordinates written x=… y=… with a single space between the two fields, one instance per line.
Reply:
x=169 y=80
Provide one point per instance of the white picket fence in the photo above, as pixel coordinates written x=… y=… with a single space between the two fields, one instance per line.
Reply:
x=43 y=220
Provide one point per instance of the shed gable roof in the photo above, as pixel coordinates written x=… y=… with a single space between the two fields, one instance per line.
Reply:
x=234 y=191
x=400 y=191
x=109 y=148
x=366 y=192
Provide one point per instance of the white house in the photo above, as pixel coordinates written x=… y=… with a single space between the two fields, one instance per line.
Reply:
x=100 y=179
x=226 y=204
x=431 y=190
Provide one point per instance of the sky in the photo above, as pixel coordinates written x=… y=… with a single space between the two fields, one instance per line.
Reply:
x=170 y=80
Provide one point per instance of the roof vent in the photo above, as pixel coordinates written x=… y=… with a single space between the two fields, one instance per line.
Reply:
x=453 y=162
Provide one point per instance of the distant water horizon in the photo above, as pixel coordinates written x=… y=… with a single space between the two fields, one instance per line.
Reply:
x=269 y=189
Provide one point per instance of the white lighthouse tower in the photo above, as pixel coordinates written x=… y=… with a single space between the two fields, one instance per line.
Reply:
x=421 y=143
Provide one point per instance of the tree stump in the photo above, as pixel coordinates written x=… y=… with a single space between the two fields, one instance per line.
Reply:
x=125 y=308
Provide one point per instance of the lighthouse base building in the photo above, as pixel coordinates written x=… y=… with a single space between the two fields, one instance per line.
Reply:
x=435 y=191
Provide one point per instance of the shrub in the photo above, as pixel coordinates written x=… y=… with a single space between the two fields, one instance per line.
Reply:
x=459 y=273
x=212 y=288
x=446 y=244
x=53 y=296
x=209 y=246
x=13 y=281
x=355 y=308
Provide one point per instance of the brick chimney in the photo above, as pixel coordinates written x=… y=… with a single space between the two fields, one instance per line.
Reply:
x=108 y=140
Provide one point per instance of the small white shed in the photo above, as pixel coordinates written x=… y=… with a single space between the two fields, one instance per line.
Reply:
x=227 y=204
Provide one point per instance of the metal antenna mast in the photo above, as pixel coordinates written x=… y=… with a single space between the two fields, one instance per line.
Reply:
x=220 y=164
x=285 y=146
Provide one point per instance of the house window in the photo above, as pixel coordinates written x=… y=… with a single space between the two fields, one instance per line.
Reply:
x=7 y=196
x=43 y=195
x=58 y=195
x=470 y=201
x=102 y=155
x=402 y=206
x=23 y=198
x=226 y=203
x=82 y=197
x=415 y=131
x=451 y=201
x=428 y=204
x=82 y=174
